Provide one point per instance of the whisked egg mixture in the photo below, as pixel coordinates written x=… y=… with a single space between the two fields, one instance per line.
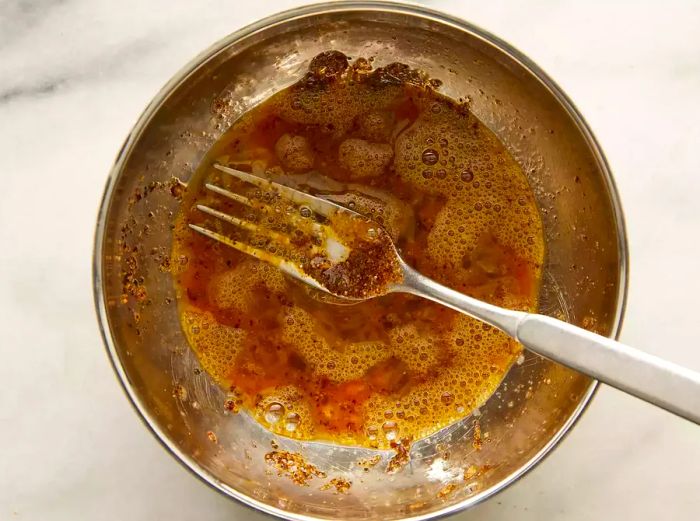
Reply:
x=384 y=143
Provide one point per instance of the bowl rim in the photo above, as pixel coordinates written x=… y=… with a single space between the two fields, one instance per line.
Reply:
x=283 y=17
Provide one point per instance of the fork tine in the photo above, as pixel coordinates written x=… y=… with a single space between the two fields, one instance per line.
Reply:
x=228 y=194
x=294 y=219
x=318 y=205
x=242 y=223
x=288 y=267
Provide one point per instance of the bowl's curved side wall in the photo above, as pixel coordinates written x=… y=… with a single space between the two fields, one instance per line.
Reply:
x=539 y=400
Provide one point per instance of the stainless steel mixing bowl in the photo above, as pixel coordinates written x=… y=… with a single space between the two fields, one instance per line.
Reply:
x=584 y=282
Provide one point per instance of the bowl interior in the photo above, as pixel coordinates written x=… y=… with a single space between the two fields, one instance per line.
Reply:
x=583 y=283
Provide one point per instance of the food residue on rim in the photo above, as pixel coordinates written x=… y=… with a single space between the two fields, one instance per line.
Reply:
x=369 y=463
x=341 y=485
x=474 y=471
x=477 y=438
x=232 y=404
x=294 y=466
x=447 y=490
x=401 y=458
x=381 y=142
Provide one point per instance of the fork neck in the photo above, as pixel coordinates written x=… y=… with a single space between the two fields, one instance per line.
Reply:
x=417 y=284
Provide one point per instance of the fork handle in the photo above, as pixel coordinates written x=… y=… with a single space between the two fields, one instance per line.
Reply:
x=653 y=379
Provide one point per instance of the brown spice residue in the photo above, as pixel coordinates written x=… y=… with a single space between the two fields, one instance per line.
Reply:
x=180 y=392
x=477 y=441
x=417 y=506
x=174 y=186
x=368 y=463
x=212 y=437
x=131 y=233
x=294 y=466
x=164 y=264
x=371 y=267
x=475 y=471
x=177 y=188
x=232 y=405
x=446 y=490
x=233 y=401
x=591 y=324
x=328 y=65
x=398 y=74
x=401 y=458
x=341 y=485
x=132 y=285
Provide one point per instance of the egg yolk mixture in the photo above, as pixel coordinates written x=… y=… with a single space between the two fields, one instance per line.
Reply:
x=384 y=143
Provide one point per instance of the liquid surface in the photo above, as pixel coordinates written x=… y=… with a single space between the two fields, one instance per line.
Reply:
x=384 y=143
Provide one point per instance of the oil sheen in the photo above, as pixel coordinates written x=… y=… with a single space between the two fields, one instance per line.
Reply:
x=385 y=143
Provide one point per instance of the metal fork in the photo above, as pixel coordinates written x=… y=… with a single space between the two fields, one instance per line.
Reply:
x=657 y=381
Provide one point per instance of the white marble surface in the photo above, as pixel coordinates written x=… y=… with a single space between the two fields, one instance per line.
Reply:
x=75 y=75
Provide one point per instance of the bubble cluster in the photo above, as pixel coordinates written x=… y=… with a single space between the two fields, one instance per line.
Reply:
x=453 y=154
x=284 y=411
x=334 y=110
x=363 y=159
x=457 y=205
x=393 y=214
x=217 y=344
x=294 y=152
x=233 y=288
x=376 y=126
x=328 y=360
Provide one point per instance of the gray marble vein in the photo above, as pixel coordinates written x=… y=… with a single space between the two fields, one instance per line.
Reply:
x=96 y=68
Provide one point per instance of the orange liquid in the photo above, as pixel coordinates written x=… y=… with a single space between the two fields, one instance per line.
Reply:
x=459 y=209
